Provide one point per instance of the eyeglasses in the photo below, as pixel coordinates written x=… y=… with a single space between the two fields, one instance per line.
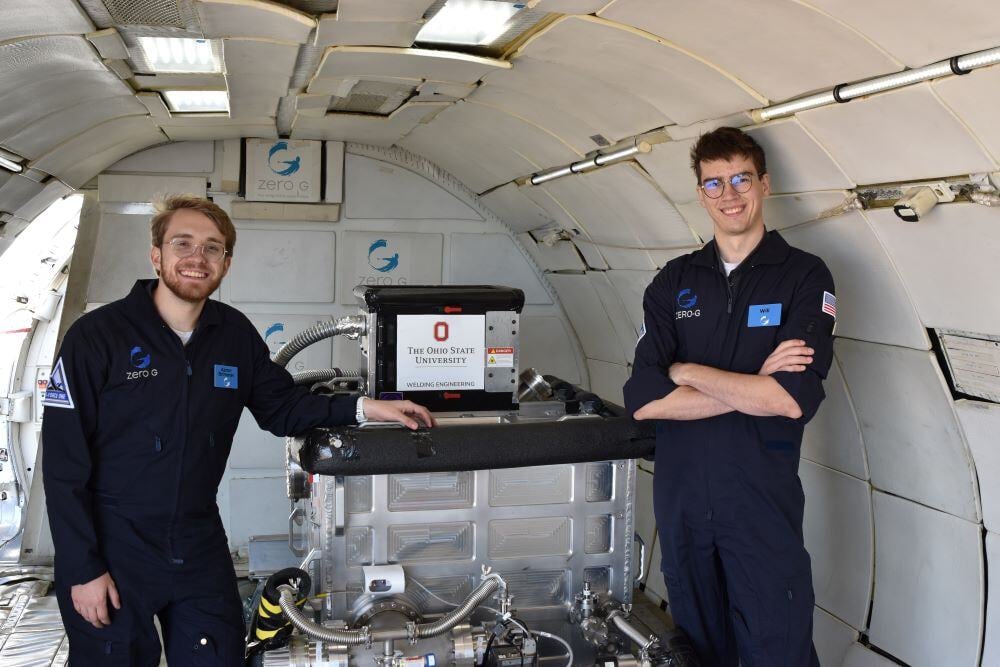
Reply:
x=714 y=187
x=213 y=252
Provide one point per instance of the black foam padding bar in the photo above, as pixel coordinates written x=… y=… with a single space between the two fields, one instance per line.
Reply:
x=474 y=447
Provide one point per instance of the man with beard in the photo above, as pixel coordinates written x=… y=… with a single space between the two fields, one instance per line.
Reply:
x=141 y=409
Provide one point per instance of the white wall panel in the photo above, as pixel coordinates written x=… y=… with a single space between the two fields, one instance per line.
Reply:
x=618 y=205
x=17 y=190
x=661 y=257
x=188 y=157
x=200 y=129
x=991 y=649
x=607 y=380
x=813 y=50
x=121 y=256
x=838 y=535
x=669 y=164
x=965 y=239
x=378 y=190
x=832 y=638
x=620 y=319
x=981 y=423
x=559 y=257
x=917 y=32
x=514 y=208
x=403 y=259
x=833 y=437
x=974 y=98
x=613 y=110
x=547 y=346
x=698 y=220
x=874 y=304
x=895 y=136
x=682 y=87
x=929 y=587
x=146 y=189
x=628 y=258
x=914 y=444
x=257 y=506
x=859 y=656
x=283 y=264
x=591 y=254
x=24 y=18
x=589 y=318
x=795 y=161
x=494 y=259
x=631 y=286
x=783 y=211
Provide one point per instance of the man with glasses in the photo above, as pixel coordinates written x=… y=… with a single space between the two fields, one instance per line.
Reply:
x=736 y=341
x=141 y=409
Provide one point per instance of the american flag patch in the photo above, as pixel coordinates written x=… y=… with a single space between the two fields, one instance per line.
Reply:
x=830 y=305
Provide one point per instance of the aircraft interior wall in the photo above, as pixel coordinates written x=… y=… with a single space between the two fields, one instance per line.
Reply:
x=900 y=467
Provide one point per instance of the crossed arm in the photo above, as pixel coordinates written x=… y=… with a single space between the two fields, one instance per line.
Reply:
x=703 y=391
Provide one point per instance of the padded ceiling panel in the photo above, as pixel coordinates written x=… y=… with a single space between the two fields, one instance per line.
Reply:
x=795 y=161
x=631 y=286
x=363 y=62
x=874 y=303
x=16 y=191
x=838 y=534
x=619 y=205
x=519 y=212
x=589 y=318
x=682 y=87
x=559 y=257
x=377 y=130
x=962 y=237
x=620 y=320
x=49 y=131
x=591 y=254
x=914 y=443
x=570 y=6
x=669 y=164
x=929 y=588
x=484 y=147
x=24 y=104
x=333 y=32
x=974 y=98
x=87 y=154
x=257 y=75
x=382 y=10
x=981 y=423
x=813 y=50
x=832 y=638
x=219 y=127
x=919 y=32
x=833 y=437
x=27 y=18
x=30 y=60
x=698 y=220
x=661 y=257
x=615 y=111
x=254 y=19
x=896 y=136
x=494 y=259
x=783 y=211
x=627 y=258
x=555 y=210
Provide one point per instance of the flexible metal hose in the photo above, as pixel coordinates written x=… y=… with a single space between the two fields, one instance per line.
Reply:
x=327 y=374
x=366 y=635
x=350 y=325
x=630 y=630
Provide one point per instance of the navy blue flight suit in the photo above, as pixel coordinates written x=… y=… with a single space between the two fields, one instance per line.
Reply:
x=136 y=434
x=727 y=496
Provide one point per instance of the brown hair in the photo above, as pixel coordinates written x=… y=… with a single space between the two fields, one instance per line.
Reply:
x=723 y=144
x=166 y=207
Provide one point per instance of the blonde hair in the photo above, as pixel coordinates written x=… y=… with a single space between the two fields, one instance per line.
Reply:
x=166 y=208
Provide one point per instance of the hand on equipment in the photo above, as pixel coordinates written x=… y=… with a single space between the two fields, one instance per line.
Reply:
x=91 y=600
x=791 y=355
x=408 y=413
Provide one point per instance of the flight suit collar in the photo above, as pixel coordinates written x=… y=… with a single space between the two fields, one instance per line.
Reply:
x=141 y=297
x=772 y=249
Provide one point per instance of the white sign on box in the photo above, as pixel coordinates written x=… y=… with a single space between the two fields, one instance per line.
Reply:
x=440 y=352
x=283 y=170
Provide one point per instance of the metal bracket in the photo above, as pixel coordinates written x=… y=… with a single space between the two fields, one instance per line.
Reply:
x=296 y=518
x=340 y=510
x=642 y=557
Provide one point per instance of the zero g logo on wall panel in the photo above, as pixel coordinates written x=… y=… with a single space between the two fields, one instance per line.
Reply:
x=283 y=170
x=378 y=258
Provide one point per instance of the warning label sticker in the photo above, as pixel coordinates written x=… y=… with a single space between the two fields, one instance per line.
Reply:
x=500 y=357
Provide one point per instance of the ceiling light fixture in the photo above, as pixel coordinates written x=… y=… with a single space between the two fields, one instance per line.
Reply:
x=180 y=55
x=11 y=162
x=469 y=22
x=197 y=101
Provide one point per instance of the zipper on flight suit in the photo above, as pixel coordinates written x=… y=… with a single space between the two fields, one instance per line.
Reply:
x=185 y=391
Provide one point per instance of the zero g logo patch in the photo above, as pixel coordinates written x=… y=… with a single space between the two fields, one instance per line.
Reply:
x=277 y=164
x=687 y=300
x=766 y=315
x=226 y=377
x=140 y=361
x=382 y=262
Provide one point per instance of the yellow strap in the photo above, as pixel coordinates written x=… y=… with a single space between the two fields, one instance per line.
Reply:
x=263 y=613
x=266 y=634
x=272 y=608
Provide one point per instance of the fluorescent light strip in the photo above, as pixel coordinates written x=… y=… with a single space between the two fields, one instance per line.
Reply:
x=599 y=160
x=180 y=55
x=10 y=165
x=197 y=101
x=468 y=22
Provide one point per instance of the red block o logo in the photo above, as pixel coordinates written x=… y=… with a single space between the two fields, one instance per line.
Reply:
x=440 y=331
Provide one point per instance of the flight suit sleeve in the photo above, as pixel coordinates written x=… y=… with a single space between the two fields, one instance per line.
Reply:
x=285 y=409
x=654 y=351
x=811 y=318
x=69 y=426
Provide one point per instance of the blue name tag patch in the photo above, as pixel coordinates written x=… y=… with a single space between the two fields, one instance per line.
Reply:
x=226 y=377
x=766 y=315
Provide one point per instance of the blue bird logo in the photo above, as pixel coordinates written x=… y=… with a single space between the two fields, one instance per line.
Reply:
x=290 y=166
x=686 y=299
x=139 y=360
x=388 y=263
x=274 y=328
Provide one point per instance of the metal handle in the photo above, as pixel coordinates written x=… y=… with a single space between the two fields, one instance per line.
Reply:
x=642 y=557
x=297 y=547
x=339 y=510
